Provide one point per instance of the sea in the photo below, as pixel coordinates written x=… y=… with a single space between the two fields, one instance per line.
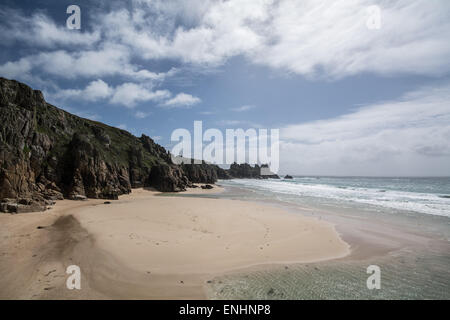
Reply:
x=416 y=209
x=395 y=195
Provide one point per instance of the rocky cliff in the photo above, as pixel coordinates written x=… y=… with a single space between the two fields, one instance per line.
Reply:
x=246 y=171
x=47 y=154
x=204 y=173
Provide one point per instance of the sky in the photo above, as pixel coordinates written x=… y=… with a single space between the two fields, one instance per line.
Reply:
x=348 y=98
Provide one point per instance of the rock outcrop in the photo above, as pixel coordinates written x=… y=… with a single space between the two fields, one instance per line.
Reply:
x=204 y=173
x=48 y=154
x=246 y=171
x=288 y=177
x=168 y=178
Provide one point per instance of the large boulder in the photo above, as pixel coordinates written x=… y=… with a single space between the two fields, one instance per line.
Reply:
x=168 y=178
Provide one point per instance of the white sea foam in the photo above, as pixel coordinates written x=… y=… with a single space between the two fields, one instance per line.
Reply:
x=428 y=203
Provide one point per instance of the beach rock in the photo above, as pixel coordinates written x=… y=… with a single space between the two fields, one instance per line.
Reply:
x=49 y=202
x=207 y=186
x=50 y=194
x=266 y=173
x=12 y=207
x=77 y=197
x=25 y=201
x=3 y=207
x=22 y=206
x=288 y=177
x=168 y=178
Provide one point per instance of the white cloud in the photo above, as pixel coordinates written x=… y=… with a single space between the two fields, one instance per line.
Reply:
x=214 y=31
x=94 y=91
x=122 y=126
x=40 y=30
x=97 y=90
x=243 y=108
x=128 y=94
x=316 y=37
x=182 y=100
x=14 y=70
x=309 y=37
x=141 y=114
x=110 y=61
x=404 y=137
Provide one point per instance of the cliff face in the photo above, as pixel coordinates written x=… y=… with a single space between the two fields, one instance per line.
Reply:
x=204 y=173
x=47 y=153
x=245 y=171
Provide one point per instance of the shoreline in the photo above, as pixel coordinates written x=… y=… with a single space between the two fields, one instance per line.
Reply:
x=413 y=258
x=368 y=232
x=117 y=268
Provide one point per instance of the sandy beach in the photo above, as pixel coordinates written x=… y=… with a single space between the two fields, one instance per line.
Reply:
x=147 y=246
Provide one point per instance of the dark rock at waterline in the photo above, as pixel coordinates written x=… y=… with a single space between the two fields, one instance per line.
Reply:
x=207 y=186
x=288 y=177
x=246 y=171
x=204 y=173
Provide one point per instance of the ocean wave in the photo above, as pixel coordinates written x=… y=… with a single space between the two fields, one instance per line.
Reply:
x=420 y=202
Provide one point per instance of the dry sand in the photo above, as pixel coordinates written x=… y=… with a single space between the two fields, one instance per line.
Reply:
x=152 y=247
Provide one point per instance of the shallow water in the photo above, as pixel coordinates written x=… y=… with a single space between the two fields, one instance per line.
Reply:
x=403 y=276
x=416 y=270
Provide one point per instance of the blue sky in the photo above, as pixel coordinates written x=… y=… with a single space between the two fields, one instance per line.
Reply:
x=347 y=100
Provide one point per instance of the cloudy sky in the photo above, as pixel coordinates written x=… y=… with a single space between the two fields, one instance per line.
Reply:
x=348 y=99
